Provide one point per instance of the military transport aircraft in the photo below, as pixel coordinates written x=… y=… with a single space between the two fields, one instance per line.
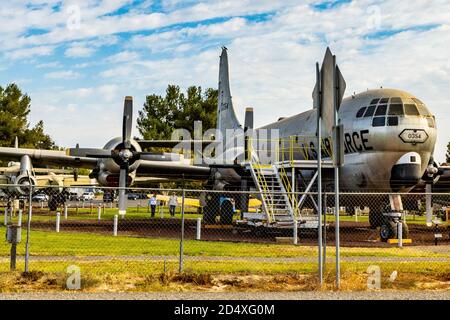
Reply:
x=389 y=142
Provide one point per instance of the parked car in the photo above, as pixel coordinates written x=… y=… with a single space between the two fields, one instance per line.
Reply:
x=73 y=196
x=40 y=197
x=136 y=196
x=88 y=196
x=108 y=196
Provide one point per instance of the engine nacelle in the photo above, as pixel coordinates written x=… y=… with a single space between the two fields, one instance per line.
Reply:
x=108 y=179
x=23 y=183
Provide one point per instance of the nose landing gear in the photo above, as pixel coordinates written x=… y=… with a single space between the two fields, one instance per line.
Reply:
x=389 y=226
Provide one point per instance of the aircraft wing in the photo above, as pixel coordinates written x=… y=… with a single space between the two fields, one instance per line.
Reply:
x=173 y=170
x=64 y=180
x=48 y=157
x=173 y=143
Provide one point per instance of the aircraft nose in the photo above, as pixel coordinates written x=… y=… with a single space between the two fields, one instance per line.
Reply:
x=406 y=172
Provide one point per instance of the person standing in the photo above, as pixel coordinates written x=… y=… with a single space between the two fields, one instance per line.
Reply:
x=173 y=202
x=153 y=202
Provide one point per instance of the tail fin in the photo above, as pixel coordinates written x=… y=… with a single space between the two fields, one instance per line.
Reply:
x=226 y=117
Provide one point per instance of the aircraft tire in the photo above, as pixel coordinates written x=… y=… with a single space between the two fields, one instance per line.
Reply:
x=375 y=219
x=226 y=213
x=388 y=230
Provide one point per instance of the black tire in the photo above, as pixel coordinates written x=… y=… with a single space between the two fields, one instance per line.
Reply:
x=226 y=212
x=405 y=230
x=388 y=230
x=53 y=204
x=376 y=219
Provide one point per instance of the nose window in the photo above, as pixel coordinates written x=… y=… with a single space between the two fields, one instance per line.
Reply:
x=378 y=121
x=369 y=112
x=381 y=110
x=411 y=110
x=392 y=121
x=412 y=159
x=396 y=109
x=361 y=112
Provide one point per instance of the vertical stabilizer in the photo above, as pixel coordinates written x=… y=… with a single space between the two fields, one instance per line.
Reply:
x=226 y=117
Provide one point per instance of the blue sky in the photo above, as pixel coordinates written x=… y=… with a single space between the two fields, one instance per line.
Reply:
x=78 y=59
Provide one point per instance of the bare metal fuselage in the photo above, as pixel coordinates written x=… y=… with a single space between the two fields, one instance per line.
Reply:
x=371 y=152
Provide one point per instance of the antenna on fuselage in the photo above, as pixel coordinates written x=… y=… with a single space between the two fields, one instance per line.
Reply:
x=16 y=143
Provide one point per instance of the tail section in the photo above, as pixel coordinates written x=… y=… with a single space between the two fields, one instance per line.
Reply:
x=226 y=117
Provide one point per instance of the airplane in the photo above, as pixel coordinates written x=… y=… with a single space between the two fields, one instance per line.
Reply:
x=389 y=140
x=16 y=178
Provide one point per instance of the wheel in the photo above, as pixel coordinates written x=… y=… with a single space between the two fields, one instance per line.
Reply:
x=388 y=230
x=226 y=212
x=375 y=219
x=405 y=230
x=53 y=204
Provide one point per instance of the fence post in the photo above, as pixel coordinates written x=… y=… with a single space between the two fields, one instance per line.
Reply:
x=27 y=243
x=400 y=233
x=182 y=233
x=99 y=212
x=295 y=236
x=19 y=222
x=199 y=229
x=116 y=221
x=65 y=211
x=5 y=220
x=58 y=221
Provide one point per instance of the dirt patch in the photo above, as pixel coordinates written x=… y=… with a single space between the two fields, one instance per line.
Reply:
x=203 y=282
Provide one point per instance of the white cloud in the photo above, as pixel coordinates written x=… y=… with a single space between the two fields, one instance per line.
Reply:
x=123 y=56
x=76 y=51
x=69 y=74
x=30 y=52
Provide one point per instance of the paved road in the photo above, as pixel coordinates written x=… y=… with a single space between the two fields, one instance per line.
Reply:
x=364 y=295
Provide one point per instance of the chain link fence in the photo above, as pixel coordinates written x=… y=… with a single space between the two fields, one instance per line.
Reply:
x=172 y=231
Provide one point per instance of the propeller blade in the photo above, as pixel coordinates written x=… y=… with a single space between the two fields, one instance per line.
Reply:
x=127 y=122
x=122 y=185
x=88 y=152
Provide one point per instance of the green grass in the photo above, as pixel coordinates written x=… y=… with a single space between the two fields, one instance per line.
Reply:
x=50 y=243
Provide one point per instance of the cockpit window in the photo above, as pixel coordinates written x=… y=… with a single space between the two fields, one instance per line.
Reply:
x=395 y=109
x=369 y=112
x=378 y=121
x=361 y=112
x=411 y=110
x=417 y=101
x=381 y=110
x=392 y=121
x=423 y=110
x=396 y=100
x=384 y=100
x=374 y=101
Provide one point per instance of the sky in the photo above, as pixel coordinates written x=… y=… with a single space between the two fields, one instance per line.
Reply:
x=77 y=60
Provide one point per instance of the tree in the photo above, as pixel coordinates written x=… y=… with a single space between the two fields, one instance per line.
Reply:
x=161 y=115
x=14 y=111
x=448 y=153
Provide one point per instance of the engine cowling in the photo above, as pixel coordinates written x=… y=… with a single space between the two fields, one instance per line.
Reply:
x=23 y=183
x=109 y=179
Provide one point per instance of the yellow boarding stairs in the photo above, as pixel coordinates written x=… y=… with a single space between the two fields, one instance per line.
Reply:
x=274 y=197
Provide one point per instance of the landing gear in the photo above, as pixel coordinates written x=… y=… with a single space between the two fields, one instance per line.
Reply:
x=389 y=227
x=226 y=212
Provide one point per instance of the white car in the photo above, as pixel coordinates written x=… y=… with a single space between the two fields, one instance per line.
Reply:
x=88 y=196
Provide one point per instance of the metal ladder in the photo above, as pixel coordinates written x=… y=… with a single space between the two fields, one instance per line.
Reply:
x=274 y=198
